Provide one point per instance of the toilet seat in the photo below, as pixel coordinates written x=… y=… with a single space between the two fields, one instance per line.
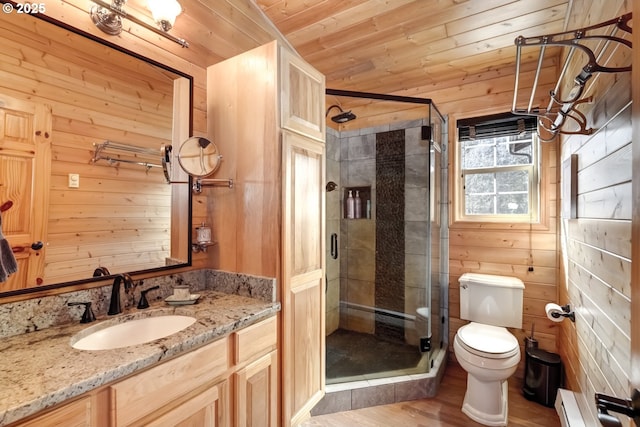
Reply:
x=487 y=341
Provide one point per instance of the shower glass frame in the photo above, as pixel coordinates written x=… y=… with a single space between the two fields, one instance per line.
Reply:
x=436 y=127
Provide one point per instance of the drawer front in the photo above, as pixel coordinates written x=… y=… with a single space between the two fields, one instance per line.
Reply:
x=255 y=340
x=74 y=414
x=151 y=390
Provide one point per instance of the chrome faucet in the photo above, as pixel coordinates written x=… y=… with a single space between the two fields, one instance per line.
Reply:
x=114 y=306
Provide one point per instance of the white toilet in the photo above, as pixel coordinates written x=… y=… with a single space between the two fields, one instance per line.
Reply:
x=484 y=347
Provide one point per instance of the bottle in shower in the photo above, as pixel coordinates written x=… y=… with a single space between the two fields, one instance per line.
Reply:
x=357 y=206
x=351 y=210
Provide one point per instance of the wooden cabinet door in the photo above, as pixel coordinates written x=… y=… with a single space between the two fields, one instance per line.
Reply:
x=209 y=408
x=146 y=393
x=303 y=298
x=74 y=414
x=302 y=96
x=25 y=170
x=256 y=393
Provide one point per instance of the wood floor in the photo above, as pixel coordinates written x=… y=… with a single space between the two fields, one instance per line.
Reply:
x=440 y=411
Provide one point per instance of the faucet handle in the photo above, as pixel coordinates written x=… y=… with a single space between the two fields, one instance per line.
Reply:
x=143 y=303
x=87 y=316
x=101 y=271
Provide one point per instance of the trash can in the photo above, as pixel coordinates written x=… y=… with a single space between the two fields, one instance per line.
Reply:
x=542 y=376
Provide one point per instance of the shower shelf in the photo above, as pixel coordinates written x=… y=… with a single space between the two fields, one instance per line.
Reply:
x=595 y=42
x=365 y=202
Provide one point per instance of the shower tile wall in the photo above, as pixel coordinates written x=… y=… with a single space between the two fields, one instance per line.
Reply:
x=357 y=265
x=351 y=162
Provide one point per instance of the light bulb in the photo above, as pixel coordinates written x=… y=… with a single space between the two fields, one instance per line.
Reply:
x=164 y=12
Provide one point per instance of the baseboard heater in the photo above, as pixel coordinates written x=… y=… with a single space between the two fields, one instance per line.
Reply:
x=568 y=410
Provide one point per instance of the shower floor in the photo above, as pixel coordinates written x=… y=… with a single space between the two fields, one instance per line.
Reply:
x=354 y=356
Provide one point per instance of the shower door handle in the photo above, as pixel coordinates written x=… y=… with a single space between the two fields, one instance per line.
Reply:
x=334 y=246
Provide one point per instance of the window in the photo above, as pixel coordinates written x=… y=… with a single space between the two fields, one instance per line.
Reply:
x=498 y=172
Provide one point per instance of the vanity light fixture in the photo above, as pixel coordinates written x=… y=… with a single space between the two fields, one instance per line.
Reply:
x=108 y=17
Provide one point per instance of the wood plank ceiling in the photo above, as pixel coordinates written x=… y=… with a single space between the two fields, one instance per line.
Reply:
x=405 y=47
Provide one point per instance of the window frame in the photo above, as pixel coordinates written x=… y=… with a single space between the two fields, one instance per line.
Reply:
x=535 y=187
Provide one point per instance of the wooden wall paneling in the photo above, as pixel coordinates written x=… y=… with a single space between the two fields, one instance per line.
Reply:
x=608 y=172
x=609 y=319
x=201 y=212
x=613 y=270
x=597 y=246
x=610 y=236
x=506 y=249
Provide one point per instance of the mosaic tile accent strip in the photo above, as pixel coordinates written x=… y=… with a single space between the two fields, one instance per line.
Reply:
x=390 y=239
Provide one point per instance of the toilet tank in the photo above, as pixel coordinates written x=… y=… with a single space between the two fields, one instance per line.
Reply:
x=492 y=300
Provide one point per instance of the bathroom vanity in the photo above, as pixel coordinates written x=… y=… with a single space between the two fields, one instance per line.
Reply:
x=220 y=371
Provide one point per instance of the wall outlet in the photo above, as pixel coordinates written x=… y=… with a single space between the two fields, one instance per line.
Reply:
x=74 y=180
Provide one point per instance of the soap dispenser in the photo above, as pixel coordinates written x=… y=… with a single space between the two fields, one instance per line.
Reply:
x=203 y=234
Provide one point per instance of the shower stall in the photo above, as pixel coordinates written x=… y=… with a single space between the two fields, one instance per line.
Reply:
x=386 y=237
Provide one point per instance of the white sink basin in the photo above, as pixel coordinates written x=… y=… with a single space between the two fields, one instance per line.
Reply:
x=131 y=332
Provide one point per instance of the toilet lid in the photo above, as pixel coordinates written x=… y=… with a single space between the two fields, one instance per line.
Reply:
x=492 y=341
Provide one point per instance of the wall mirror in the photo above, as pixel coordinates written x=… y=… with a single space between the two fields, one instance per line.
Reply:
x=84 y=127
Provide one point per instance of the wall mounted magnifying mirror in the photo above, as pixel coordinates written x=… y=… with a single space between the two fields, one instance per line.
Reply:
x=199 y=157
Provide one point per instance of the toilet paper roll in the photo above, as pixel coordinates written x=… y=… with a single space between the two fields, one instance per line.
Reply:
x=552 y=309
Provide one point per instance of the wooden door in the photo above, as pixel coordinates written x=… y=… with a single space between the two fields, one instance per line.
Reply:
x=256 y=393
x=25 y=170
x=303 y=297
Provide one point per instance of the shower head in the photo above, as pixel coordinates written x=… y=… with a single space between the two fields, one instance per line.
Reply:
x=343 y=116
x=331 y=186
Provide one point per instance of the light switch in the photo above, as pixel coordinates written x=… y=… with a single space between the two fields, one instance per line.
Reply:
x=74 y=180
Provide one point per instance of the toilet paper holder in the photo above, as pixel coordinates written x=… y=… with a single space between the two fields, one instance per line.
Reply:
x=566 y=312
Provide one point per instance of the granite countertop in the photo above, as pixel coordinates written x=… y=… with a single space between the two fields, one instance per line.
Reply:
x=41 y=369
